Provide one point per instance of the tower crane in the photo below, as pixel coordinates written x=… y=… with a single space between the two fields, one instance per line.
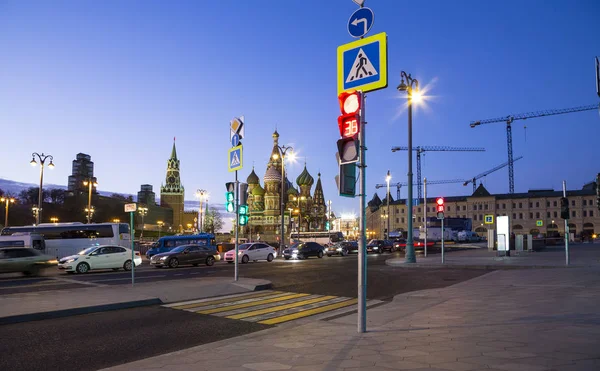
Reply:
x=474 y=179
x=420 y=150
x=523 y=116
x=402 y=184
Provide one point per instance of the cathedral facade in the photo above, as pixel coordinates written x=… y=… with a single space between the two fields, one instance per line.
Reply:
x=303 y=210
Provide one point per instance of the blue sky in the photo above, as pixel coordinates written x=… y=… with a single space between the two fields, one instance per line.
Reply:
x=119 y=79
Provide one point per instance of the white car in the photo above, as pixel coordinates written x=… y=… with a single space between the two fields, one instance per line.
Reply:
x=99 y=257
x=252 y=251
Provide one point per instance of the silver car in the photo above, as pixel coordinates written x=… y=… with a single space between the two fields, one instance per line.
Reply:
x=24 y=259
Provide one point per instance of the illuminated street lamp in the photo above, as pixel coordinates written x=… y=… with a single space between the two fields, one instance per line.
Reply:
x=412 y=90
x=7 y=201
x=42 y=158
x=282 y=153
x=89 y=211
x=116 y=220
x=90 y=182
x=143 y=212
x=54 y=220
x=298 y=198
x=160 y=224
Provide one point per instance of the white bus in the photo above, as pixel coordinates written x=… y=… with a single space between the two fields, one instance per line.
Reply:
x=64 y=239
x=322 y=238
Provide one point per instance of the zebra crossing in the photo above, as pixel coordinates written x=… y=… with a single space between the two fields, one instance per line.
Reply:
x=268 y=307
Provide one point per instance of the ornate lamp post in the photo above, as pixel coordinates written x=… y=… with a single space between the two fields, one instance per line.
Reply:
x=90 y=183
x=412 y=90
x=282 y=153
x=143 y=212
x=7 y=201
x=201 y=194
x=160 y=224
x=387 y=180
x=42 y=158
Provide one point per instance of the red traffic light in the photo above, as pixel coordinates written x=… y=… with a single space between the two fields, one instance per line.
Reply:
x=440 y=201
x=349 y=102
x=349 y=125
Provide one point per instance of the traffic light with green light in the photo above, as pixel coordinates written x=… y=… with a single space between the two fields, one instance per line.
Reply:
x=243 y=214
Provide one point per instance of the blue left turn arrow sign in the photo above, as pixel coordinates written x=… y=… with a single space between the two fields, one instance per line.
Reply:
x=360 y=22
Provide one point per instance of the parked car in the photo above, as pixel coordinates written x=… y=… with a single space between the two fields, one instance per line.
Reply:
x=252 y=251
x=100 y=257
x=342 y=248
x=184 y=255
x=24 y=259
x=303 y=250
x=379 y=246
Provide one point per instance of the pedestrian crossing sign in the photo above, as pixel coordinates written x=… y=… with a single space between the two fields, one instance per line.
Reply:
x=234 y=157
x=362 y=64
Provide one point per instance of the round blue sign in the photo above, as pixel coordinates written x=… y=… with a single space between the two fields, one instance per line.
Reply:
x=235 y=140
x=360 y=22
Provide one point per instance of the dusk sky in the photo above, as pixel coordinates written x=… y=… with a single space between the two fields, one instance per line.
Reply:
x=119 y=79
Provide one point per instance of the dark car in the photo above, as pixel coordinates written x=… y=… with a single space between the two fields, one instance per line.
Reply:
x=379 y=246
x=185 y=254
x=399 y=244
x=303 y=250
x=342 y=248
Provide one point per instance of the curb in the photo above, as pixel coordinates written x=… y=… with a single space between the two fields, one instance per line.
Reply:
x=77 y=311
x=477 y=266
x=264 y=286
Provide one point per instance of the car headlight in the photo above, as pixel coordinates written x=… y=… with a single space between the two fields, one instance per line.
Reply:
x=339 y=249
x=163 y=257
x=71 y=260
x=376 y=248
x=295 y=251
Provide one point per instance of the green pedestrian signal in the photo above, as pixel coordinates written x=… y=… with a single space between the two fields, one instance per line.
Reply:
x=327 y=225
x=243 y=209
x=229 y=202
x=243 y=219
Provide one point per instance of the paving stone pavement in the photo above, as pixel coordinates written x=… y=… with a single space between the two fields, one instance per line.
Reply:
x=520 y=320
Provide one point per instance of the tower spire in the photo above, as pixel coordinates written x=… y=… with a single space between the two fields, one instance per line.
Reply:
x=174 y=151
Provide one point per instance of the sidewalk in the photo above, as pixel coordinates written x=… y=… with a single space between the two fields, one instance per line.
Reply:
x=60 y=303
x=581 y=255
x=506 y=320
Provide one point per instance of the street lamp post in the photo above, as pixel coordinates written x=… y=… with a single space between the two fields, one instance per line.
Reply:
x=298 y=198
x=329 y=221
x=412 y=90
x=201 y=194
x=283 y=151
x=388 y=177
x=42 y=158
x=160 y=224
x=7 y=201
x=89 y=211
x=143 y=211
x=90 y=183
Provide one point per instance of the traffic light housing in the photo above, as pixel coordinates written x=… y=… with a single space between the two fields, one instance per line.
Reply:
x=229 y=202
x=564 y=208
x=243 y=217
x=439 y=207
x=598 y=191
x=349 y=125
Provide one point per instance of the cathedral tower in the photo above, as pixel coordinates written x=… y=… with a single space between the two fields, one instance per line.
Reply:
x=172 y=192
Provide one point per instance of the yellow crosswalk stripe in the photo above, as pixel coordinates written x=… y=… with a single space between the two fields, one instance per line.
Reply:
x=310 y=312
x=251 y=304
x=228 y=300
x=281 y=307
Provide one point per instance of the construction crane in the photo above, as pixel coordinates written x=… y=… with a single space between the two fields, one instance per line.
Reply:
x=420 y=150
x=430 y=182
x=523 y=116
x=474 y=179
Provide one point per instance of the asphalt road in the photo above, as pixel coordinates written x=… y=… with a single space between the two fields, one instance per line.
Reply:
x=94 y=341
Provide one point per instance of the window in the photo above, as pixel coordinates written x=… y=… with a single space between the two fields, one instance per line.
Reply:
x=537 y=204
x=520 y=205
x=584 y=212
x=555 y=214
x=591 y=213
x=530 y=215
x=464 y=208
x=419 y=210
x=547 y=203
x=584 y=204
x=514 y=216
x=123 y=228
x=497 y=206
x=537 y=215
x=474 y=207
x=480 y=207
x=572 y=202
x=514 y=205
x=403 y=219
x=520 y=215
x=548 y=214
x=530 y=205
x=397 y=220
x=449 y=208
x=574 y=214
x=402 y=213
x=503 y=206
x=555 y=204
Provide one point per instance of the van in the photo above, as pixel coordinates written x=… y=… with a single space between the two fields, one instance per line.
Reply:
x=167 y=243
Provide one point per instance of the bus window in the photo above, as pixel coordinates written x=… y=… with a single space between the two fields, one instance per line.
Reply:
x=170 y=243
x=37 y=244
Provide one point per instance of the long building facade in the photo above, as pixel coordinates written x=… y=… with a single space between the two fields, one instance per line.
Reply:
x=533 y=212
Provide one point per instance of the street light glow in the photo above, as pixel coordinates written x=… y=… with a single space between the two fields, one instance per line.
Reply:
x=416 y=96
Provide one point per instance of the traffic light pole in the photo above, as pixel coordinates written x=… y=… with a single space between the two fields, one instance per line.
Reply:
x=566 y=228
x=425 y=212
x=443 y=240
x=237 y=223
x=362 y=250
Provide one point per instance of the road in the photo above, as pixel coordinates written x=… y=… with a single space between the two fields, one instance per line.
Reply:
x=94 y=341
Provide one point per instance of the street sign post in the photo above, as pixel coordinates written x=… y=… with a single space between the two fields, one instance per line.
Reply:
x=362 y=64
x=131 y=209
x=360 y=22
x=237 y=131
x=235 y=159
